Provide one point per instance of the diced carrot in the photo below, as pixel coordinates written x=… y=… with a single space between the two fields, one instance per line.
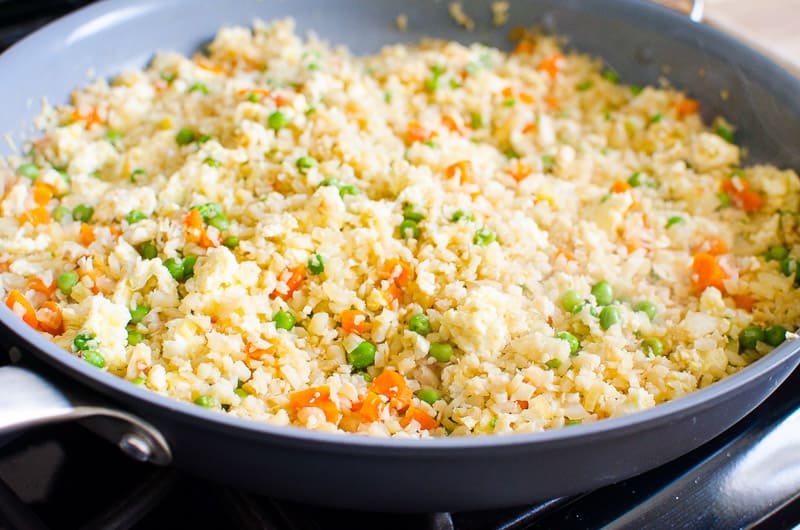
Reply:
x=451 y=124
x=749 y=201
x=35 y=216
x=115 y=230
x=523 y=404
x=531 y=127
x=281 y=100
x=524 y=46
x=20 y=306
x=42 y=193
x=707 y=272
x=87 y=234
x=552 y=102
x=519 y=171
x=392 y=294
x=209 y=66
x=261 y=92
x=744 y=301
x=50 y=318
x=90 y=119
x=620 y=186
x=38 y=285
x=372 y=406
x=353 y=321
x=193 y=220
x=686 y=106
x=569 y=256
x=393 y=386
x=425 y=420
x=319 y=397
x=94 y=275
x=205 y=240
x=417 y=133
x=463 y=169
x=552 y=64
x=714 y=246
x=293 y=278
x=397 y=271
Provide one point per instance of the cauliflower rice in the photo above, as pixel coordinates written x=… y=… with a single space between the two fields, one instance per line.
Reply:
x=406 y=244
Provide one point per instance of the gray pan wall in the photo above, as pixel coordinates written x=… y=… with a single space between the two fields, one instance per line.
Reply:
x=636 y=39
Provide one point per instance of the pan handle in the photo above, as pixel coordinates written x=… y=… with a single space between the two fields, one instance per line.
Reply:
x=28 y=399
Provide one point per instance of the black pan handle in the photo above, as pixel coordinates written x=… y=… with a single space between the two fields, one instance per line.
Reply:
x=28 y=399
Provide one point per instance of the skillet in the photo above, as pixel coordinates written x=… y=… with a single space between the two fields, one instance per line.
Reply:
x=638 y=40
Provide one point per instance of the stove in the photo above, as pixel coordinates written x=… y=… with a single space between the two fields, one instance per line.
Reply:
x=63 y=477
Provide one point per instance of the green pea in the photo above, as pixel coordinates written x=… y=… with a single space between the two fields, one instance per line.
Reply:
x=188 y=266
x=583 y=86
x=461 y=214
x=304 y=163
x=570 y=423
x=348 y=190
x=750 y=337
x=208 y=210
x=419 y=323
x=283 y=320
x=476 y=120
x=603 y=292
x=29 y=170
x=548 y=162
x=611 y=76
x=655 y=118
x=199 y=87
x=329 y=181
x=409 y=229
x=175 y=268
x=137 y=172
x=510 y=102
x=648 y=307
x=609 y=316
x=788 y=266
x=635 y=180
x=83 y=341
x=113 y=137
x=725 y=133
x=139 y=380
x=210 y=162
x=134 y=337
x=774 y=335
x=94 y=358
x=674 y=220
x=553 y=363
x=241 y=392
x=778 y=253
x=441 y=351
x=231 y=241
x=429 y=395
x=204 y=401
x=66 y=281
x=572 y=340
x=316 y=264
x=362 y=355
x=61 y=212
x=134 y=216
x=139 y=312
x=148 y=250
x=277 y=120
x=220 y=222
x=484 y=237
x=411 y=214
x=653 y=347
x=185 y=136
x=636 y=90
x=83 y=212
x=571 y=301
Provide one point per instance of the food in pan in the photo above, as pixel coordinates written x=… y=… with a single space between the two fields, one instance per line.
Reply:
x=435 y=240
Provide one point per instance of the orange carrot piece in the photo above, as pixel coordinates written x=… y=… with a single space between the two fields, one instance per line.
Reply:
x=749 y=201
x=353 y=321
x=93 y=118
x=87 y=234
x=687 y=106
x=319 y=397
x=94 y=275
x=397 y=271
x=210 y=67
x=524 y=47
x=552 y=102
x=20 y=306
x=42 y=193
x=393 y=386
x=370 y=409
x=569 y=256
x=714 y=246
x=425 y=420
x=523 y=404
x=193 y=220
x=36 y=284
x=462 y=168
x=620 y=186
x=707 y=272
x=519 y=171
x=526 y=98
x=392 y=294
x=531 y=127
x=417 y=133
x=261 y=92
x=744 y=301
x=293 y=278
x=451 y=124
x=35 y=216
x=552 y=64
x=50 y=318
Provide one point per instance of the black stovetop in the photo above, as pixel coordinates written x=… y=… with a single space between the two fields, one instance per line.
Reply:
x=64 y=477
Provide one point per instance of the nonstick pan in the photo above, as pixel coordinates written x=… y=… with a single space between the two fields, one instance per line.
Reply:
x=640 y=41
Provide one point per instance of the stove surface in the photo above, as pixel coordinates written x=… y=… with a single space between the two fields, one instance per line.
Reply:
x=63 y=477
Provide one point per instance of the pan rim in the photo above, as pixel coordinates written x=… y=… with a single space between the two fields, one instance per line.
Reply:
x=674 y=410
